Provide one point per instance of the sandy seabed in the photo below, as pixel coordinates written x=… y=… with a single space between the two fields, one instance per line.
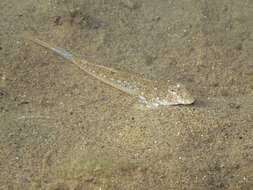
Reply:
x=61 y=129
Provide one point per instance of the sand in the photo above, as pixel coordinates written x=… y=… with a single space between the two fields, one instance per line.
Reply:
x=61 y=129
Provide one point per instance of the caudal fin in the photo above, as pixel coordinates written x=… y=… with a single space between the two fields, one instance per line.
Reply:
x=63 y=53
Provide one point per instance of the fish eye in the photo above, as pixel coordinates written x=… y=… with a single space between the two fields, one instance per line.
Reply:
x=172 y=91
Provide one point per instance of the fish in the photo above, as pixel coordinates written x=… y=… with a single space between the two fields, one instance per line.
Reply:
x=150 y=93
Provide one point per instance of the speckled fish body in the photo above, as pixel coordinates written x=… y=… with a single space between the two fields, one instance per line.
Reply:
x=151 y=93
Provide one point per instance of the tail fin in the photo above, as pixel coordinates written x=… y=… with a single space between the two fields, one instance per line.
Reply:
x=63 y=53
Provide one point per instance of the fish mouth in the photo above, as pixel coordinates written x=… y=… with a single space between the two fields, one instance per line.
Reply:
x=189 y=101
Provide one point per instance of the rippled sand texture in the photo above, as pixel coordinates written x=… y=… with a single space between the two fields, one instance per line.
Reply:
x=62 y=130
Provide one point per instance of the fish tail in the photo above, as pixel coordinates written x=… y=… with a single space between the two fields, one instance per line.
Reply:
x=63 y=53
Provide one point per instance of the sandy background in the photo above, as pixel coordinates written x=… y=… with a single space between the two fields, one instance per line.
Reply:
x=62 y=130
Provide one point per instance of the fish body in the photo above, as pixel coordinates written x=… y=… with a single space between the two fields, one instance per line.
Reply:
x=151 y=93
